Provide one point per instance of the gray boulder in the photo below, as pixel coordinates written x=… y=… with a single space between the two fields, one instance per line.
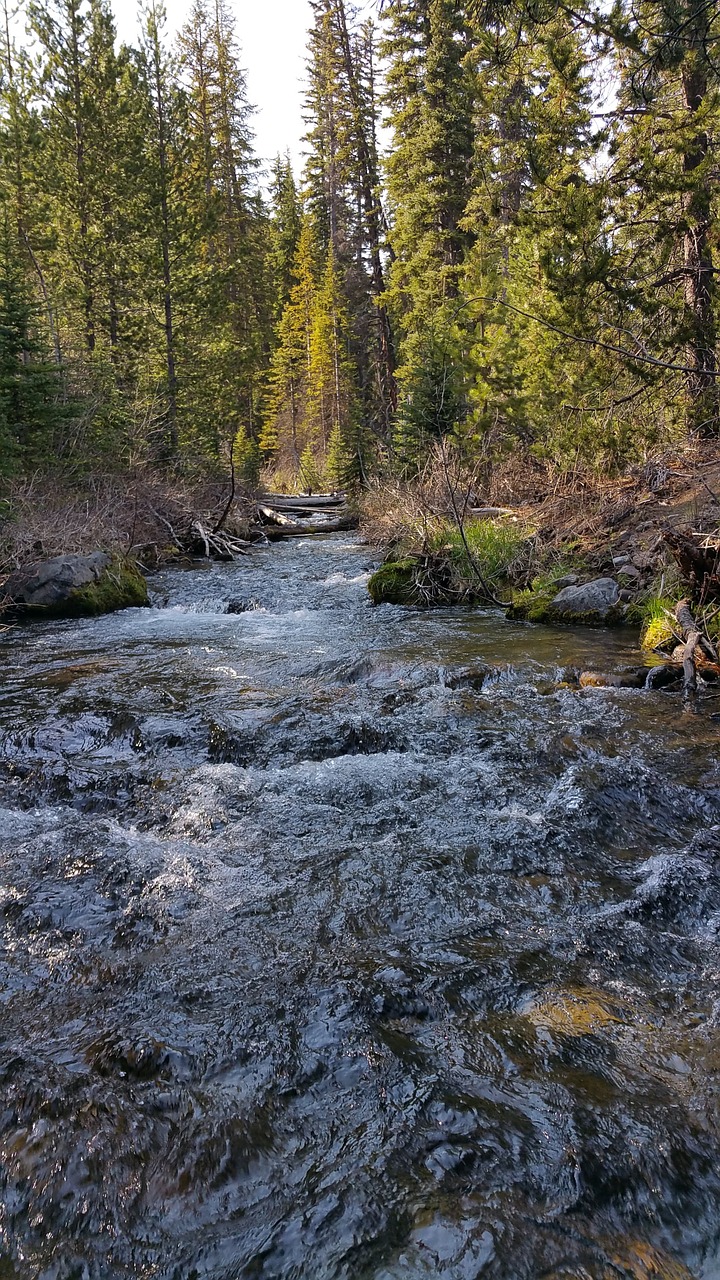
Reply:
x=74 y=585
x=595 y=603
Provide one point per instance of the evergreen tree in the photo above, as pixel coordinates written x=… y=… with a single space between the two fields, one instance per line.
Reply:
x=30 y=387
x=285 y=222
x=284 y=432
x=430 y=95
x=162 y=182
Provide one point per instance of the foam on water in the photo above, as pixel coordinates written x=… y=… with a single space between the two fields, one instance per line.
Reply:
x=340 y=943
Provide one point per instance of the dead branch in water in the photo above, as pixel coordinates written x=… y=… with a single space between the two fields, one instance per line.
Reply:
x=694 y=641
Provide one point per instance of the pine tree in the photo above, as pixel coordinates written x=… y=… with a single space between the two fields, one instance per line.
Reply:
x=227 y=330
x=661 y=146
x=430 y=95
x=161 y=170
x=285 y=222
x=30 y=389
x=285 y=428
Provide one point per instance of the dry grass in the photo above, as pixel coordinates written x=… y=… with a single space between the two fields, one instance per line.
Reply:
x=40 y=517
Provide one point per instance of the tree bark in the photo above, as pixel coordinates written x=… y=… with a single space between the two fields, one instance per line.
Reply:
x=369 y=191
x=702 y=414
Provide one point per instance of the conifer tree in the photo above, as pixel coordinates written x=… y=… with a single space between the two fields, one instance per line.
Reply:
x=285 y=222
x=285 y=427
x=430 y=95
x=162 y=174
x=30 y=388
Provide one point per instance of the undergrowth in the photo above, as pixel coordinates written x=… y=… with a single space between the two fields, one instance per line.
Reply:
x=500 y=549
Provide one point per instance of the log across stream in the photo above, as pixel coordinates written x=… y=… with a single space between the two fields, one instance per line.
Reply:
x=351 y=943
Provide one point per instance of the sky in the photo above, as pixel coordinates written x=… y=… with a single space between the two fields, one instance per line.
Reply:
x=272 y=37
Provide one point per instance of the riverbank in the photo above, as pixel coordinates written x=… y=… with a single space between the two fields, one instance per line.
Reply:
x=531 y=533
x=54 y=534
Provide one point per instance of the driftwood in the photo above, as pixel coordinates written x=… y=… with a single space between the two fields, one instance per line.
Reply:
x=699 y=565
x=269 y=516
x=213 y=545
x=688 y=626
x=311 y=502
x=698 y=649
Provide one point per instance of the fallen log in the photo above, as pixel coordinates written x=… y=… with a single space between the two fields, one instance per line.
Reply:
x=310 y=513
x=269 y=516
x=296 y=528
x=490 y=513
x=316 y=502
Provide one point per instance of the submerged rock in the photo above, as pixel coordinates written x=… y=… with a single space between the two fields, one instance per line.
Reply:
x=242 y=605
x=75 y=586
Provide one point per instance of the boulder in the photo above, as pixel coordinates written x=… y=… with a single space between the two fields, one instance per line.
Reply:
x=242 y=605
x=394 y=583
x=74 y=586
x=595 y=603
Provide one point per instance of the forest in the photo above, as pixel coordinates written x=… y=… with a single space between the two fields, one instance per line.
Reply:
x=502 y=235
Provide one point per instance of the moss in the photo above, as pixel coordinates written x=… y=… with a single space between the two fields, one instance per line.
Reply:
x=121 y=586
x=654 y=616
x=543 y=612
x=394 y=583
x=533 y=604
x=530 y=606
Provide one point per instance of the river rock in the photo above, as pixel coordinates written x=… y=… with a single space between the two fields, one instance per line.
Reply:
x=630 y=573
x=595 y=603
x=74 y=585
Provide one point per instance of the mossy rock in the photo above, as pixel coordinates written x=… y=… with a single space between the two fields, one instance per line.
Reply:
x=530 y=606
x=75 y=586
x=120 y=586
x=394 y=583
x=658 y=632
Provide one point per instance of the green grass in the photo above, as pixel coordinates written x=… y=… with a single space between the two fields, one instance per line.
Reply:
x=496 y=547
x=655 y=616
x=533 y=603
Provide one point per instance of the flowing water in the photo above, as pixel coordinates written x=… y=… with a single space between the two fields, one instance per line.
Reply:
x=340 y=943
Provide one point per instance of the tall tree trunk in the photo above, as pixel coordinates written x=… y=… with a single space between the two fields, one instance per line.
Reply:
x=369 y=191
x=701 y=357
x=165 y=234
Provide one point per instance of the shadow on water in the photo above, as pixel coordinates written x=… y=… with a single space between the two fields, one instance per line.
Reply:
x=340 y=943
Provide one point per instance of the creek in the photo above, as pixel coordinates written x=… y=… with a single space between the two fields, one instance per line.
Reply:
x=339 y=943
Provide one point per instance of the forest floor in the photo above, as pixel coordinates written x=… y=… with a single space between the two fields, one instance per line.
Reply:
x=604 y=518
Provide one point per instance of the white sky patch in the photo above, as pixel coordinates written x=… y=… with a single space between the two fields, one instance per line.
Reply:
x=272 y=35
